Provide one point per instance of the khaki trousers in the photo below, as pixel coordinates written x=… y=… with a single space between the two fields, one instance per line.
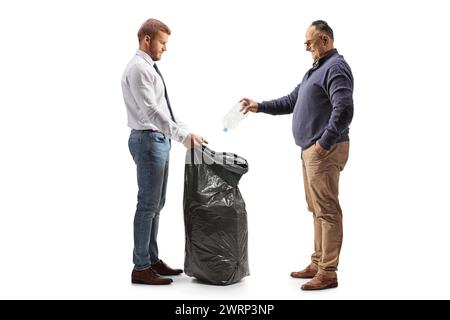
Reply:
x=321 y=179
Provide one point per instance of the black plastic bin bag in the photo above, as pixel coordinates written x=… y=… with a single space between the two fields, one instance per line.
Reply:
x=214 y=217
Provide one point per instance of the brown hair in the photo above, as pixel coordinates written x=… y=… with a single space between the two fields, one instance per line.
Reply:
x=151 y=26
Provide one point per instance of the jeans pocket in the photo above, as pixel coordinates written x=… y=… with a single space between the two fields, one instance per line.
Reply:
x=134 y=139
x=158 y=137
x=134 y=145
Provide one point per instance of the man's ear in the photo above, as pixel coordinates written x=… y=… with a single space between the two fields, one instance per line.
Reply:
x=325 y=40
x=147 y=39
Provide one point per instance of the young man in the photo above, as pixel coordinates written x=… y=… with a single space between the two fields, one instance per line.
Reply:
x=153 y=125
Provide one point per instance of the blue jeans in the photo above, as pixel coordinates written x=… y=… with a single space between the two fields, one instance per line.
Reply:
x=150 y=151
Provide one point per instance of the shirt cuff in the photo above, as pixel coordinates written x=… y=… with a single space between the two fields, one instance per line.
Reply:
x=180 y=135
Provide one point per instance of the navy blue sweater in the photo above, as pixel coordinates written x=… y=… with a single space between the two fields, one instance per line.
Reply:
x=322 y=103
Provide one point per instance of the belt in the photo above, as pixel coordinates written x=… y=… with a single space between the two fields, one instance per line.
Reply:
x=145 y=130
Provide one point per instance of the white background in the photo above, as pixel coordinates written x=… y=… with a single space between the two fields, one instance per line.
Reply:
x=68 y=184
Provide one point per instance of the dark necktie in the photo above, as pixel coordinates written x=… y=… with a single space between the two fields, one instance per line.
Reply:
x=165 y=92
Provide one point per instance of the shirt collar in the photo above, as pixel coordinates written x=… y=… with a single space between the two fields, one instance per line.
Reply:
x=329 y=54
x=145 y=56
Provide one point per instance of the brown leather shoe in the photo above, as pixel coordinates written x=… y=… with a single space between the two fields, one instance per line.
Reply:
x=307 y=273
x=148 y=276
x=320 y=282
x=164 y=270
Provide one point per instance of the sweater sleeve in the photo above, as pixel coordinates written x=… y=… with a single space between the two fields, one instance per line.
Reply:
x=340 y=90
x=283 y=105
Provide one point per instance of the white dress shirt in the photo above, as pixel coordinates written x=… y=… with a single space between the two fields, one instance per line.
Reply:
x=143 y=93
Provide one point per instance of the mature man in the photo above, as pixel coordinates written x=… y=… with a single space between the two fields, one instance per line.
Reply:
x=153 y=125
x=323 y=109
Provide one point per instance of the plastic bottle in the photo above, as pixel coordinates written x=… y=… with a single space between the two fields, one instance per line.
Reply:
x=233 y=117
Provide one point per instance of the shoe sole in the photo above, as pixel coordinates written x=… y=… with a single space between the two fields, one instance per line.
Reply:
x=302 y=277
x=154 y=284
x=333 y=285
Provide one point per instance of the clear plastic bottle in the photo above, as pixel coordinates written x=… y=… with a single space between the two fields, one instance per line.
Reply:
x=233 y=117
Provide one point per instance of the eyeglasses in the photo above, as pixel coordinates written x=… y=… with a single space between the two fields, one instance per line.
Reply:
x=309 y=42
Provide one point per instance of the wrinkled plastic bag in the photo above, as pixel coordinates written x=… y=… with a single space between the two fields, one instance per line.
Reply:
x=215 y=218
